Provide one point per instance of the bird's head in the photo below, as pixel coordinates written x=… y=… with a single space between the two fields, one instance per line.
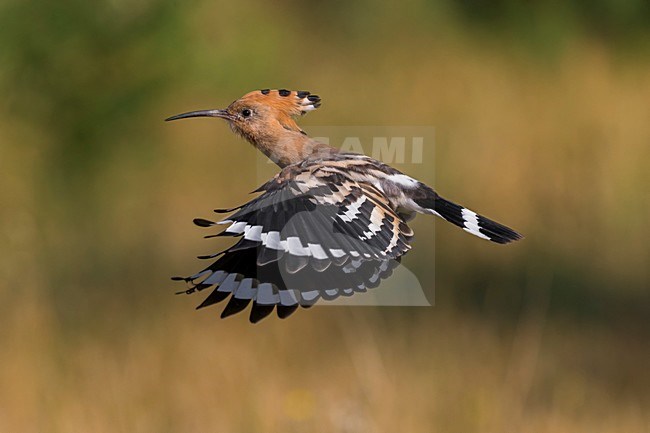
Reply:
x=266 y=119
x=261 y=112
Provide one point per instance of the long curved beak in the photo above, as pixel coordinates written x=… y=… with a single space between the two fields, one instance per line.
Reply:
x=202 y=113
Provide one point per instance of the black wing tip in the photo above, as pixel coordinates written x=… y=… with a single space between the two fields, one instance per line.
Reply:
x=234 y=306
x=259 y=312
x=226 y=210
x=201 y=222
x=284 y=311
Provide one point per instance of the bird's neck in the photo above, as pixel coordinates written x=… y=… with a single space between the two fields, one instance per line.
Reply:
x=288 y=146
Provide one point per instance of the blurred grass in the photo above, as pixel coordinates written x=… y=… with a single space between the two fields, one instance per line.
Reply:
x=541 y=122
x=333 y=369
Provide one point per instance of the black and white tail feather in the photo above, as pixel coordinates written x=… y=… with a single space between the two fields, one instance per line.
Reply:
x=468 y=220
x=323 y=228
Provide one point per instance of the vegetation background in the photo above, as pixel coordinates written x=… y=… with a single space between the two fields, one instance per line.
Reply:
x=541 y=112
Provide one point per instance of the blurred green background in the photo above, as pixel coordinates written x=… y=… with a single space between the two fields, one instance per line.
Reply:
x=542 y=116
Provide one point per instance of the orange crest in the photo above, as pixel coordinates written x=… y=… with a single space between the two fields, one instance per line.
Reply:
x=289 y=102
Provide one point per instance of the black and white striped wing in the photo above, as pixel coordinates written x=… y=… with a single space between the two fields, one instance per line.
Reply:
x=315 y=235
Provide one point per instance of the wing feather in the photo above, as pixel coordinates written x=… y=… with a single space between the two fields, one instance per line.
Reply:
x=313 y=232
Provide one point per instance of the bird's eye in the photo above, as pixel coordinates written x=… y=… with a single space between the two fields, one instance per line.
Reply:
x=246 y=112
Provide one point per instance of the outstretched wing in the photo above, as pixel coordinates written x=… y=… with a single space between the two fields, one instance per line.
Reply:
x=313 y=233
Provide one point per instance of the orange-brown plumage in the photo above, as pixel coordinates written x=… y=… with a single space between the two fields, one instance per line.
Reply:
x=266 y=119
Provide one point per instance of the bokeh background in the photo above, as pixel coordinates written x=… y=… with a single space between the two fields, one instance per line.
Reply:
x=542 y=121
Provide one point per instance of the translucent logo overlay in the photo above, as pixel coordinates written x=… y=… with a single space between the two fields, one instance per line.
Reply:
x=360 y=280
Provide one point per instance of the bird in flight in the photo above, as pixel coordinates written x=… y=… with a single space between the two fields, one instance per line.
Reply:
x=329 y=224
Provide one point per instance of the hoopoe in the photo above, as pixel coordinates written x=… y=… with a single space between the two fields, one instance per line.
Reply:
x=329 y=224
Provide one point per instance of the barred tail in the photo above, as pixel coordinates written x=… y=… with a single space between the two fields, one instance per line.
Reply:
x=470 y=221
